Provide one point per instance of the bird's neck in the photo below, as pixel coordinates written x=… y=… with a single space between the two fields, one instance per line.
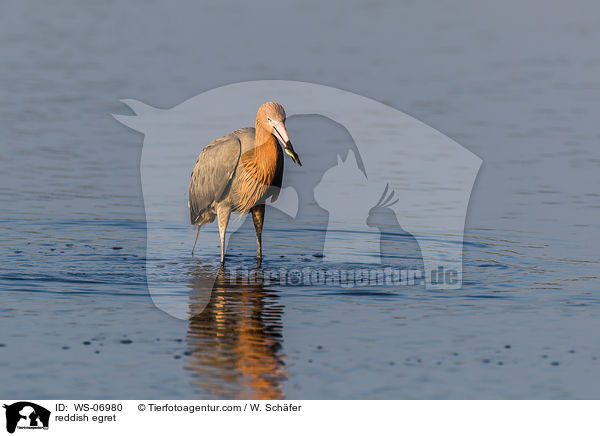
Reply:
x=259 y=168
x=264 y=155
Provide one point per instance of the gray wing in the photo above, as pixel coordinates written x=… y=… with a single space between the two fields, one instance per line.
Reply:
x=212 y=174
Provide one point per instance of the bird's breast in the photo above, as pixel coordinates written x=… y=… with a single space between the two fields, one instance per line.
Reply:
x=256 y=173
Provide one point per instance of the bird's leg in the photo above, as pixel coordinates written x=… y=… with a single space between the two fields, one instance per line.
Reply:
x=197 y=233
x=258 y=216
x=223 y=218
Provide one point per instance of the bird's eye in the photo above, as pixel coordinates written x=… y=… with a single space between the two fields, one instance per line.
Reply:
x=269 y=119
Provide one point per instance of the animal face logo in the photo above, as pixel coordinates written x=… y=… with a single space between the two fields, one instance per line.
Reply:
x=26 y=415
x=401 y=177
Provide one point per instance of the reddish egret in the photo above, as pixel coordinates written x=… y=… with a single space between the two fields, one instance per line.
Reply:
x=238 y=172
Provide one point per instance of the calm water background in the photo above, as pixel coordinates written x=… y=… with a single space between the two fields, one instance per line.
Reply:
x=517 y=83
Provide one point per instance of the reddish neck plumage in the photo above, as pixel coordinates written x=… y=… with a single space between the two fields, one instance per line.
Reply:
x=259 y=167
x=265 y=151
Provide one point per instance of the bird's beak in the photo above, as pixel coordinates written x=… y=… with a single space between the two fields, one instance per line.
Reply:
x=282 y=136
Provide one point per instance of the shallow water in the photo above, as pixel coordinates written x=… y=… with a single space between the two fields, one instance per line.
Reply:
x=519 y=90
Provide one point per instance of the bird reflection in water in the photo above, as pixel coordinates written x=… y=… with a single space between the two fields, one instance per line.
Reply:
x=235 y=342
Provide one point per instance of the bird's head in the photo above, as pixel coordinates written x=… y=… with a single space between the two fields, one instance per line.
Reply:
x=382 y=213
x=271 y=116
